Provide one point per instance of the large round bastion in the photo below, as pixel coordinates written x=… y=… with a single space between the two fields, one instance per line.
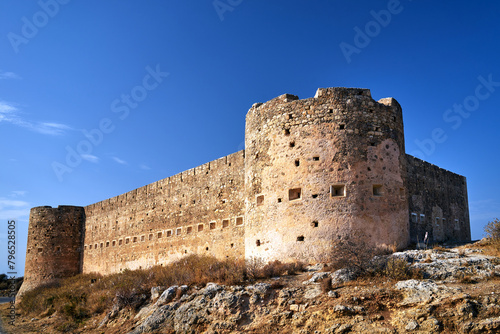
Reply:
x=324 y=168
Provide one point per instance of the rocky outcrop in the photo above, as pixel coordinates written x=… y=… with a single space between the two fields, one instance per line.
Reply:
x=434 y=304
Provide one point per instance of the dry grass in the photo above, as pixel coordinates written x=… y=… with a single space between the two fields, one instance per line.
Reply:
x=491 y=244
x=370 y=262
x=466 y=279
x=80 y=297
x=256 y=269
x=428 y=259
x=349 y=254
x=277 y=268
x=438 y=248
x=492 y=230
x=399 y=269
x=489 y=247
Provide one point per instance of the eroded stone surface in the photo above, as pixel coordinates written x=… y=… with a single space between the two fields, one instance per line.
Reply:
x=313 y=171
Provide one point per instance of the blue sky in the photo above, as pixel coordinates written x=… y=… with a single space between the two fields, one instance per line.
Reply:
x=168 y=84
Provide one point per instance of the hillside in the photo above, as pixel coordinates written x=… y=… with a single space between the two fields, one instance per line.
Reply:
x=430 y=291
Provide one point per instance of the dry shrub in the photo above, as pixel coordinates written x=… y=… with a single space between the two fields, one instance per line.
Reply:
x=366 y=261
x=326 y=284
x=255 y=268
x=386 y=249
x=79 y=297
x=490 y=245
x=277 y=268
x=354 y=255
x=399 y=269
x=129 y=288
x=197 y=270
x=34 y=301
x=492 y=230
x=68 y=298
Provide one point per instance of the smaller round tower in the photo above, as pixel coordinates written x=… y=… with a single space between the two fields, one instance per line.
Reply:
x=54 y=247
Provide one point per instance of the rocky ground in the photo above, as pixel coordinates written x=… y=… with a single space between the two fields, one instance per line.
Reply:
x=458 y=293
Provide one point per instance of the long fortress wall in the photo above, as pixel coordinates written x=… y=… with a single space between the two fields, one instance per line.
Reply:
x=197 y=211
x=438 y=203
x=313 y=171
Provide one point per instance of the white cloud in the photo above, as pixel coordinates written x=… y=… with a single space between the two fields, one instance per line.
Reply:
x=120 y=161
x=9 y=113
x=8 y=75
x=90 y=157
x=144 y=167
x=18 y=193
x=4 y=202
x=53 y=129
x=13 y=209
x=14 y=214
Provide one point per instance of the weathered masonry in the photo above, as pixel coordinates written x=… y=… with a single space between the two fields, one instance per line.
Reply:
x=313 y=171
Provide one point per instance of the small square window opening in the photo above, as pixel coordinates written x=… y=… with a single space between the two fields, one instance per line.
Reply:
x=377 y=190
x=260 y=200
x=294 y=194
x=337 y=190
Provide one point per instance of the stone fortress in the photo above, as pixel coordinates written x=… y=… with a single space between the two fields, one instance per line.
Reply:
x=313 y=171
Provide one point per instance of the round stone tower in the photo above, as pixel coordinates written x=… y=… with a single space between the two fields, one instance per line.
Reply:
x=321 y=169
x=54 y=248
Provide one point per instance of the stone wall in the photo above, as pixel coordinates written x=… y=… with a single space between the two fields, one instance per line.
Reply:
x=54 y=248
x=324 y=168
x=438 y=203
x=313 y=171
x=199 y=211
